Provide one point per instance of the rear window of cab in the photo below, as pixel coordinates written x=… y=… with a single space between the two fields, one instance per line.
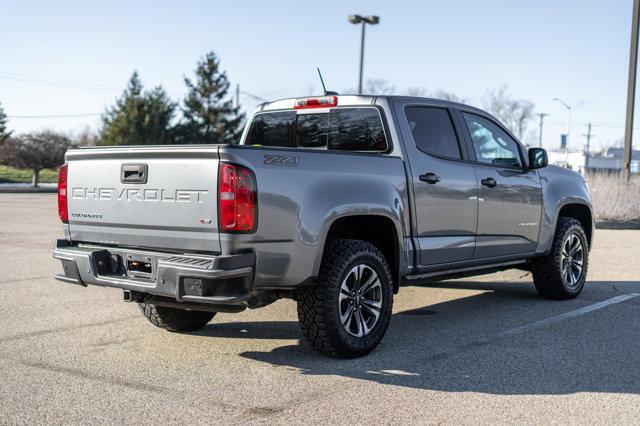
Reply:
x=351 y=129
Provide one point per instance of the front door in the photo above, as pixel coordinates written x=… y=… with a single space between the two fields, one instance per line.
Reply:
x=509 y=194
x=444 y=185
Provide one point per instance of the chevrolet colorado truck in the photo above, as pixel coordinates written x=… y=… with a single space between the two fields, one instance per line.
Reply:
x=333 y=201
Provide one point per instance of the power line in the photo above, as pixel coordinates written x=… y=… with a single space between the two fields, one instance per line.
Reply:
x=53 y=81
x=597 y=123
x=256 y=97
x=39 y=102
x=56 y=116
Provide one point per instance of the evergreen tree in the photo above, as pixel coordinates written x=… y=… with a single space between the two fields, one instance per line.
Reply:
x=4 y=130
x=209 y=114
x=139 y=118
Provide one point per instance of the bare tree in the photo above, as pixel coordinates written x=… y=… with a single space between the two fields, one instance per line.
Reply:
x=413 y=91
x=447 y=96
x=86 y=137
x=382 y=86
x=379 y=86
x=515 y=114
x=35 y=151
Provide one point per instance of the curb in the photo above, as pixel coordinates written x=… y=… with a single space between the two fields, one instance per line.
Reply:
x=614 y=224
x=27 y=189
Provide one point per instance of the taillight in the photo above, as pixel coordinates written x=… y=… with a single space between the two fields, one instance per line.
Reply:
x=63 y=212
x=321 y=102
x=236 y=199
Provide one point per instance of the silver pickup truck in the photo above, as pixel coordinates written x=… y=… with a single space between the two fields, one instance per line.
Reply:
x=333 y=201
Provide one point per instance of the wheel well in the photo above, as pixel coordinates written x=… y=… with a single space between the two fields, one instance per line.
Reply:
x=582 y=214
x=377 y=230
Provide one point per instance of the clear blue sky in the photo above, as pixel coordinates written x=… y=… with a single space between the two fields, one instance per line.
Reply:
x=575 y=50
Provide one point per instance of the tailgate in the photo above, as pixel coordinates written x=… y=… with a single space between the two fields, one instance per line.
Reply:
x=154 y=197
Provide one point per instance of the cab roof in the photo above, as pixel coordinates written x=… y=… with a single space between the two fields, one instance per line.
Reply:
x=360 y=100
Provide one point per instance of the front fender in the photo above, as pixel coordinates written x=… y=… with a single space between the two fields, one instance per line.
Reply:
x=560 y=187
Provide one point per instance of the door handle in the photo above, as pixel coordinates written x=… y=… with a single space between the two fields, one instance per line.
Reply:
x=430 y=178
x=489 y=182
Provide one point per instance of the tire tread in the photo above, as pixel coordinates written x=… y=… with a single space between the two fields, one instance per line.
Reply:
x=314 y=313
x=175 y=320
x=546 y=270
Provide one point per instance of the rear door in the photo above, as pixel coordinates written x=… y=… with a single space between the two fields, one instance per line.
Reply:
x=510 y=196
x=162 y=198
x=444 y=183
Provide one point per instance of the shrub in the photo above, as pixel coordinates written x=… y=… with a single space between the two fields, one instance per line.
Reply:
x=38 y=151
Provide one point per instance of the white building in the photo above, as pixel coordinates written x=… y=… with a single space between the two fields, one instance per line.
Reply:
x=610 y=160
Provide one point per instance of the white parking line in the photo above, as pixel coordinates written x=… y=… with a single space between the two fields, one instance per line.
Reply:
x=562 y=317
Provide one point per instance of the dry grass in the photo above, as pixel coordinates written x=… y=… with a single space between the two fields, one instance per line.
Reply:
x=614 y=197
x=10 y=174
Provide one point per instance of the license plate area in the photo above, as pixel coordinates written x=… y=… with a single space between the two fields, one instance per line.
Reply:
x=139 y=266
x=125 y=263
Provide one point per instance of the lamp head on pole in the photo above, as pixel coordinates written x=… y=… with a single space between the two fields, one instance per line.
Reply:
x=358 y=19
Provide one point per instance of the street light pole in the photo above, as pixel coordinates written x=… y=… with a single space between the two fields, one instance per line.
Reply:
x=364 y=26
x=364 y=20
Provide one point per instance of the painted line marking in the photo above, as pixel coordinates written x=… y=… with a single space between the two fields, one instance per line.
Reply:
x=571 y=314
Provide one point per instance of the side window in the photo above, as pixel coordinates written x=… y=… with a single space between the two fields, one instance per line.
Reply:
x=356 y=129
x=272 y=129
x=433 y=131
x=491 y=144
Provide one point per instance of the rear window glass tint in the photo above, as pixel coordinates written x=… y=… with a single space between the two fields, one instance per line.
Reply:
x=311 y=131
x=273 y=129
x=356 y=129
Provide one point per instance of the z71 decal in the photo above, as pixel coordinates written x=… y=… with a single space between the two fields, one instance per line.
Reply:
x=282 y=160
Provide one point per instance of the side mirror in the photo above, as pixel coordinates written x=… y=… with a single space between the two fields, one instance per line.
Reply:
x=538 y=158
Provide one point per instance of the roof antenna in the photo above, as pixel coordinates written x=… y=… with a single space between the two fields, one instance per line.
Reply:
x=326 y=92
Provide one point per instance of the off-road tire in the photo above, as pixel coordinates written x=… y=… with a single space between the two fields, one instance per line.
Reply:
x=547 y=270
x=318 y=305
x=176 y=320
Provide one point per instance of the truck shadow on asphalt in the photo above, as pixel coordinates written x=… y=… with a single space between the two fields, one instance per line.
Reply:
x=456 y=346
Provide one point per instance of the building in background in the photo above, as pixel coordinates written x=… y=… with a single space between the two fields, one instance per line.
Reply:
x=608 y=161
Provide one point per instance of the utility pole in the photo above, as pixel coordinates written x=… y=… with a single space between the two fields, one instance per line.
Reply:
x=542 y=115
x=589 y=135
x=631 y=89
x=237 y=95
x=568 y=107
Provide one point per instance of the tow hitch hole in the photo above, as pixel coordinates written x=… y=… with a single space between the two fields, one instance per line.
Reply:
x=138 y=266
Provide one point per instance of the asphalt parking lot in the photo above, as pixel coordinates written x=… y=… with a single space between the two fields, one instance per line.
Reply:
x=480 y=350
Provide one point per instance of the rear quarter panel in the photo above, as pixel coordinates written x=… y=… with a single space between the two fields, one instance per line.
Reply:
x=301 y=193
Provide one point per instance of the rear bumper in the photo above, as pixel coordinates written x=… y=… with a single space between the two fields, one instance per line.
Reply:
x=214 y=280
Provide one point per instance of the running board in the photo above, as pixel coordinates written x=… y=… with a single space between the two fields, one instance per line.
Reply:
x=480 y=269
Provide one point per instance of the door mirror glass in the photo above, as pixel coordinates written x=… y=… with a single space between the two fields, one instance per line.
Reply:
x=538 y=158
